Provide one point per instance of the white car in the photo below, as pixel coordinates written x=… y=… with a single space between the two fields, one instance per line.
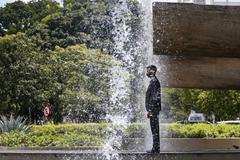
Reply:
x=229 y=122
x=196 y=118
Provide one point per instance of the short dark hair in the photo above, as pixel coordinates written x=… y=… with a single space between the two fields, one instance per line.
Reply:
x=152 y=67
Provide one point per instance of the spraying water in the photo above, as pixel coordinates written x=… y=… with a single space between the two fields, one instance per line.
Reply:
x=130 y=56
x=119 y=112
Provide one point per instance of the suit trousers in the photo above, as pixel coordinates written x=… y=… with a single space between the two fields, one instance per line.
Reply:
x=154 y=123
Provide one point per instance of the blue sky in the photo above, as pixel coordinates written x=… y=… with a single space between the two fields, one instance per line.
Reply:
x=3 y=2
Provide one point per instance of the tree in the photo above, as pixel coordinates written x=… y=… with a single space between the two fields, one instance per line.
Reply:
x=84 y=22
x=19 y=78
x=224 y=104
x=50 y=63
x=181 y=102
x=74 y=80
x=19 y=16
x=78 y=83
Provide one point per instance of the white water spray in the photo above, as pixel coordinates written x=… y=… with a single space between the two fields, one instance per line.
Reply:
x=120 y=111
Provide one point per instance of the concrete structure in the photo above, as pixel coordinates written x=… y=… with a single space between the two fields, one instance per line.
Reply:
x=96 y=155
x=200 y=72
x=187 y=144
x=198 y=44
x=173 y=148
x=196 y=30
x=205 y=2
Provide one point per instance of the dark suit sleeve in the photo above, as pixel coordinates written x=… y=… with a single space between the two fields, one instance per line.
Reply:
x=147 y=100
x=156 y=97
x=156 y=94
x=153 y=98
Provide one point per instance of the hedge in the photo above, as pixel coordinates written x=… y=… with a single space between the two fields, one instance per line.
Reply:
x=92 y=135
x=202 y=131
x=65 y=135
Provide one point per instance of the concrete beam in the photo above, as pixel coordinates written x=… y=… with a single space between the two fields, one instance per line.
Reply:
x=196 y=30
x=200 y=72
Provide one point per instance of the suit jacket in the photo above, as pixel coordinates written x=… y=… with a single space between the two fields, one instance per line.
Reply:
x=153 y=97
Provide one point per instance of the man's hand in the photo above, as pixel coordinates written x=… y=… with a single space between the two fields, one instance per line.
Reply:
x=149 y=114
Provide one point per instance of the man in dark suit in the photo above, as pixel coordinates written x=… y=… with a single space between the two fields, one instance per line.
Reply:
x=153 y=106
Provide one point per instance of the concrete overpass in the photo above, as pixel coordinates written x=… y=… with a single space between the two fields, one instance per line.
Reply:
x=198 y=44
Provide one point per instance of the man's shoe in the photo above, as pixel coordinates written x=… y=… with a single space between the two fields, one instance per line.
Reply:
x=153 y=151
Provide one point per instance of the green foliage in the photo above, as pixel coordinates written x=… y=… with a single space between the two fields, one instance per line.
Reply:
x=55 y=136
x=20 y=72
x=91 y=135
x=70 y=135
x=224 y=104
x=11 y=124
x=73 y=80
x=136 y=130
x=19 y=16
x=49 y=63
x=78 y=81
x=85 y=22
x=202 y=131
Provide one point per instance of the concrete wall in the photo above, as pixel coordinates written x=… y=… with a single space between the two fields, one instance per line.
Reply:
x=93 y=155
x=206 y=2
x=171 y=149
x=200 y=72
x=198 y=45
x=196 y=30
x=187 y=144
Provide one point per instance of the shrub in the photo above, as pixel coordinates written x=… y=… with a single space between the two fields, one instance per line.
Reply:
x=201 y=131
x=90 y=135
x=65 y=135
x=13 y=124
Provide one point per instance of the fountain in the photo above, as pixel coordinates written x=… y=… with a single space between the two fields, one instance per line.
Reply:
x=120 y=112
x=127 y=54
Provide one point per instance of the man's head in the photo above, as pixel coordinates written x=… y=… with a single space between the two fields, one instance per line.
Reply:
x=151 y=71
